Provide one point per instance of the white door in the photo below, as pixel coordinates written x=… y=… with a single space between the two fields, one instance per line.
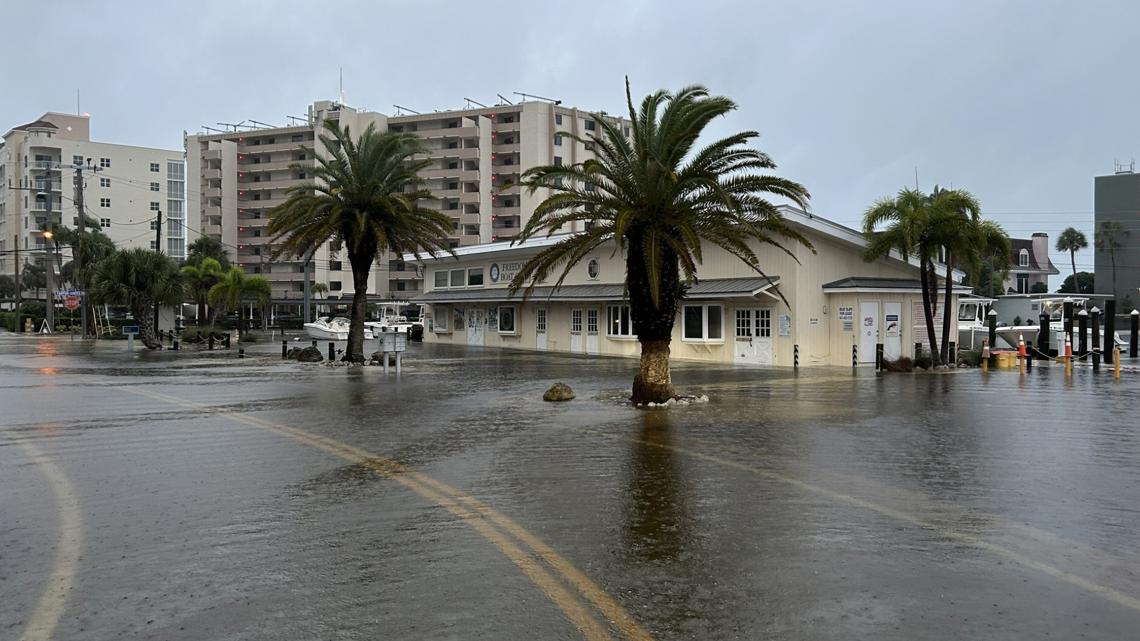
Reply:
x=753 y=336
x=576 y=342
x=475 y=326
x=591 y=331
x=540 y=329
x=868 y=330
x=892 y=330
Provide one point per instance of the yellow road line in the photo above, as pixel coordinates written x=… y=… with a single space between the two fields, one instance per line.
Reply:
x=69 y=545
x=1105 y=592
x=458 y=502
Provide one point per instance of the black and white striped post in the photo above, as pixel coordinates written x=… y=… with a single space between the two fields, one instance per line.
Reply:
x=795 y=356
x=854 y=356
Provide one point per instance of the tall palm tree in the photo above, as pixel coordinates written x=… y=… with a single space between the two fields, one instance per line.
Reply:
x=1108 y=240
x=368 y=196
x=137 y=279
x=659 y=197
x=235 y=288
x=207 y=247
x=200 y=277
x=956 y=217
x=1072 y=240
x=906 y=228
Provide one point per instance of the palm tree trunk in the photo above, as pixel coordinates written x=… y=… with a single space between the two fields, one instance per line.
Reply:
x=361 y=265
x=1073 y=258
x=924 y=280
x=945 y=351
x=653 y=383
x=201 y=320
x=144 y=316
x=652 y=323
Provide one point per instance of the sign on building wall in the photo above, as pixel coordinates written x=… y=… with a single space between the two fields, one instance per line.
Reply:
x=919 y=317
x=504 y=272
x=847 y=319
x=785 y=325
x=893 y=325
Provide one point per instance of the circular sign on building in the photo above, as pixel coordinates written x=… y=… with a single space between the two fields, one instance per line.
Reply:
x=494 y=272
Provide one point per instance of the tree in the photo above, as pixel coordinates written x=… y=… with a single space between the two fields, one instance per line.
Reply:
x=909 y=232
x=137 y=279
x=1108 y=240
x=959 y=229
x=33 y=276
x=988 y=276
x=658 y=197
x=200 y=277
x=207 y=247
x=319 y=289
x=368 y=196
x=7 y=287
x=234 y=288
x=1071 y=240
x=1039 y=288
x=1084 y=284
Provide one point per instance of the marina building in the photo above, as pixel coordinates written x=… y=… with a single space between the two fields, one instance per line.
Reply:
x=821 y=305
x=477 y=155
x=125 y=187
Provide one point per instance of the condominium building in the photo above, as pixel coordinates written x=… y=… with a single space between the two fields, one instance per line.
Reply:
x=477 y=155
x=124 y=187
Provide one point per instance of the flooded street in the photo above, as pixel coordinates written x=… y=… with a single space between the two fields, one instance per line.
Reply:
x=193 y=495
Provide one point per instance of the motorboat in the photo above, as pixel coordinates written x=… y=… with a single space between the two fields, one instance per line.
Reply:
x=333 y=329
x=973 y=327
x=390 y=319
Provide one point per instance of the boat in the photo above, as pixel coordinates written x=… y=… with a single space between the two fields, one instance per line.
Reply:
x=390 y=319
x=973 y=329
x=333 y=329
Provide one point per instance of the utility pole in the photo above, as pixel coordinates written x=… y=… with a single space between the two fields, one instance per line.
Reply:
x=77 y=258
x=158 y=249
x=19 y=289
x=50 y=271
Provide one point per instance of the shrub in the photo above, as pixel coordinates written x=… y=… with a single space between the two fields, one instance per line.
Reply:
x=970 y=357
x=923 y=360
x=901 y=364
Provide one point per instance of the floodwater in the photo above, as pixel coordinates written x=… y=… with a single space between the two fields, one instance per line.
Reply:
x=194 y=495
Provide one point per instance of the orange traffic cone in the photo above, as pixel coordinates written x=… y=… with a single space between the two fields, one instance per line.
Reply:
x=1068 y=348
x=1021 y=353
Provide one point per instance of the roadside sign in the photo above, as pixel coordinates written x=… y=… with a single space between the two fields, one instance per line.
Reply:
x=71 y=303
x=130 y=329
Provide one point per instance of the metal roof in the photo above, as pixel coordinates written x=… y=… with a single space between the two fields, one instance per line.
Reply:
x=712 y=288
x=884 y=284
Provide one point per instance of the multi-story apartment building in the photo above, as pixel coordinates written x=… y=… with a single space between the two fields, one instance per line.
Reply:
x=478 y=156
x=125 y=188
x=1117 y=199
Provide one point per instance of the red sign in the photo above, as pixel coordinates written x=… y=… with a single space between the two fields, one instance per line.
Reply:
x=71 y=303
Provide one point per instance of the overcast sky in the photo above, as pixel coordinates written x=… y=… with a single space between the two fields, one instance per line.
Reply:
x=1022 y=103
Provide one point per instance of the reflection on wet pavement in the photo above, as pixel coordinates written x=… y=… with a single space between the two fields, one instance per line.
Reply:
x=817 y=505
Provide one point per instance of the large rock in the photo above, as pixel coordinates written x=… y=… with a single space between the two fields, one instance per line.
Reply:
x=310 y=355
x=558 y=392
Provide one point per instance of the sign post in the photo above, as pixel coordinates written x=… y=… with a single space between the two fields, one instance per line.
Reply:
x=130 y=331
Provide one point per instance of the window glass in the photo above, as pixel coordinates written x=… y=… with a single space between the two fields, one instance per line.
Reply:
x=507 y=320
x=441 y=315
x=540 y=320
x=715 y=332
x=475 y=277
x=694 y=322
x=441 y=278
x=457 y=277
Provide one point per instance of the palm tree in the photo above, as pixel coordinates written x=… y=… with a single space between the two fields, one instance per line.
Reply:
x=909 y=232
x=234 y=288
x=207 y=247
x=1071 y=240
x=319 y=289
x=200 y=278
x=137 y=279
x=1108 y=240
x=368 y=196
x=957 y=218
x=658 y=197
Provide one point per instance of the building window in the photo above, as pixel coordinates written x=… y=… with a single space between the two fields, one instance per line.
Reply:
x=440 y=278
x=701 y=323
x=589 y=146
x=627 y=132
x=575 y=321
x=335 y=265
x=334 y=286
x=458 y=277
x=104 y=222
x=593 y=268
x=155 y=187
x=558 y=161
x=153 y=225
x=591 y=321
x=1023 y=258
x=105 y=163
x=475 y=278
x=153 y=206
x=104 y=182
x=590 y=125
x=618 y=322
x=155 y=167
x=540 y=321
x=507 y=319
x=104 y=202
x=1023 y=283
x=557 y=140
x=558 y=119
x=441 y=316
x=152 y=245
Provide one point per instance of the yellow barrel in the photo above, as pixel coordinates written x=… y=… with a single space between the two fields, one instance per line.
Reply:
x=1006 y=360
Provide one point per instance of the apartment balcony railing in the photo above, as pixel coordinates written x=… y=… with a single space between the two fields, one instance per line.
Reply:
x=470 y=197
x=212 y=192
x=453 y=132
x=500 y=212
x=500 y=149
x=264 y=185
x=275 y=165
x=246 y=148
x=43 y=185
x=212 y=154
x=212 y=174
x=467 y=153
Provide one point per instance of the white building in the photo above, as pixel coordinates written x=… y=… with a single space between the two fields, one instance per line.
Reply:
x=835 y=300
x=125 y=187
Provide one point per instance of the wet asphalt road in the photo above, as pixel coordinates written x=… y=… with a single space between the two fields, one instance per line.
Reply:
x=195 y=496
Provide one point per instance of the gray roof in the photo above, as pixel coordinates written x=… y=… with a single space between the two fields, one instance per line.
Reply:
x=711 y=288
x=871 y=282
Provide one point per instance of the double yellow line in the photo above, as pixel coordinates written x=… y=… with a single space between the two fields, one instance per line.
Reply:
x=565 y=585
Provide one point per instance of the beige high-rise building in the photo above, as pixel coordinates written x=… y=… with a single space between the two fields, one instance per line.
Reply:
x=478 y=156
x=125 y=189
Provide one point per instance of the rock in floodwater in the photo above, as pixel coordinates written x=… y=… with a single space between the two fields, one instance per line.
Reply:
x=558 y=392
x=310 y=355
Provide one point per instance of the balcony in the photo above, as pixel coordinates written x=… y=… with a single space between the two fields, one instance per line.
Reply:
x=471 y=197
x=51 y=165
x=212 y=210
x=501 y=212
x=276 y=165
x=265 y=185
x=432 y=174
x=469 y=239
x=42 y=185
x=450 y=194
x=212 y=154
x=212 y=230
x=212 y=174
x=505 y=148
x=502 y=188
x=212 y=192
x=462 y=153
x=246 y=148
x=454 y=132
x=469 y=219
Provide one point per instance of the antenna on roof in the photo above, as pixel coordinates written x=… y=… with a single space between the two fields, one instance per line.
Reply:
x=530 y=95
x=1120 y=167
x=474 y=102
x=234 y=126
x=504 y=99
x=262 y=124
x=399 y=109
x=217 y=131
x=294 y=119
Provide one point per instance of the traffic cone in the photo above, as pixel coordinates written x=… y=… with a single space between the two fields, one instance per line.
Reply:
x=1021 y=353
x=1068 y=348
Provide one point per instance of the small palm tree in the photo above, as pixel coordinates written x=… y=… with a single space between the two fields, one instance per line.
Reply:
x=319 y=289
x=138 y=279
x=200 y=278
x=1072 y=240
x=658 y=197
x=368 y=196
x=1108 y=240
x=235 y=288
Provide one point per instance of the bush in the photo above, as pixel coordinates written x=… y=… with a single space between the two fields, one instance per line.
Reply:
x=192 y=335
x=970 y=357
x=923 y=360
x=901 y=364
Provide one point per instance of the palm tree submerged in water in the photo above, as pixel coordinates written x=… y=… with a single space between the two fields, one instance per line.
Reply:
x=658 y=197
x=200 y=278
x=368 y=197
x=137 y=279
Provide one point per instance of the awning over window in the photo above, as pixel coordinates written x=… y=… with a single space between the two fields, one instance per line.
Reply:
x=717 y=288
x=874 y=285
